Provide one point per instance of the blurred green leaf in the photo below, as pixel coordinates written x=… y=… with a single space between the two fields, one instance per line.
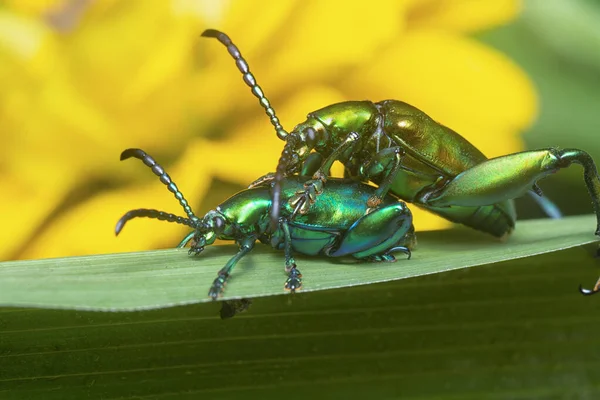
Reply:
x=569 y=28
x=515 y=330
x=556 y=43
x=164 y=278
x=567 y=89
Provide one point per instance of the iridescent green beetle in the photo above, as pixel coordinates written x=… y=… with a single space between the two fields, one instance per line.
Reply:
x=337 y=225
x=406 y=153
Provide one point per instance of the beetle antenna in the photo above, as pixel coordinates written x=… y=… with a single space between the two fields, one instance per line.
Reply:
x=164 y=178
x=249 y=79
x=149 y=213
x=284 y=161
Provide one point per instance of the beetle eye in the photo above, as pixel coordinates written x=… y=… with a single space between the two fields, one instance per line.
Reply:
x=218 y=225
x=311 y=137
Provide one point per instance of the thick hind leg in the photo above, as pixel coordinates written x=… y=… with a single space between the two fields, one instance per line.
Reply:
x=376 y=235
x=508 y=177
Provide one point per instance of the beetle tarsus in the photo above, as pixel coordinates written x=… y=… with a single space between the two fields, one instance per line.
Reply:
x=294 y=280
x=537 y=190
x=596 y=289
x=374 y=201
x=218 y=285
x=400 y=249
x=587 y=292
x=304 y=199
x=194 y=251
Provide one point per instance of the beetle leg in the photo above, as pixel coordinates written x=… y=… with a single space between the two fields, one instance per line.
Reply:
x=186 y=239
x=596 y=289
x=294 y=280
x=314 y=187
x=311 y=165
x=376 y=234
x=387 y=161
x=246 y=245
x=507 y=177
x=589 y=292
x=546 y=205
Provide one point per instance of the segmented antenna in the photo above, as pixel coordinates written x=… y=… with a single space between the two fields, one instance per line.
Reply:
x=150 y=213
x=164 y=178
x=249 y=79
x=282 y=165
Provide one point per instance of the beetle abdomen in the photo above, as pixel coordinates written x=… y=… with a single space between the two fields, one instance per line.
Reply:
x=431 y=143
x=497 y=219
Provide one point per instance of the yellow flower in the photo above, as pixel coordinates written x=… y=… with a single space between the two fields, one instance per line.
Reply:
x=84 y=80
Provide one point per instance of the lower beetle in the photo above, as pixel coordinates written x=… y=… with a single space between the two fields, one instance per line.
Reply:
x=338 y=224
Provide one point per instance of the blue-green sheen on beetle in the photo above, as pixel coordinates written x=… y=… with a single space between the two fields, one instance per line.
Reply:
x=339 y=223
x=406 y=153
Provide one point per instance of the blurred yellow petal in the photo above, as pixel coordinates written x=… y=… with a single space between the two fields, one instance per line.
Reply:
x=218 y=89
x=461 y=15
x=323 y=37
x=89 y=227
x=426 y=221
x=28 y=44
x=240 y=22
x=107 y=67
x=170 y=56
x=34 y=7
x=457 y=81
x=210 y=11
x=23 y=210
x=294 y=55
x=84 y=79
x=254 y=149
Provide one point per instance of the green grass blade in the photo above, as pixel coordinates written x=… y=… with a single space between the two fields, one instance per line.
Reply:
x=155 y=279
x=517 y=330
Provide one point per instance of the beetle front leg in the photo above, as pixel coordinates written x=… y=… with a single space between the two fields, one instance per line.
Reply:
x=246 y=245
x=376 y=235
x=387 y=162
x=509 y=177
x=294 y=280
x=186 y=239
x=309 y=167
x=303 y=199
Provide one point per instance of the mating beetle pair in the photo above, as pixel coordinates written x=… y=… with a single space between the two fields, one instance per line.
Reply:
x=390 y=143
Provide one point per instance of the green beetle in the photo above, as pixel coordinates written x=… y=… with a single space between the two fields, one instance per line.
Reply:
x=407 y=153
x=337 y=225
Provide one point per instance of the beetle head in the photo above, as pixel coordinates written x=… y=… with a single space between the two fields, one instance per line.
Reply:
x=208 y=230
x=305 y=137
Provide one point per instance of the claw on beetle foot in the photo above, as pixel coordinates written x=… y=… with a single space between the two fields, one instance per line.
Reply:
x=294 y=280
x=374 y=201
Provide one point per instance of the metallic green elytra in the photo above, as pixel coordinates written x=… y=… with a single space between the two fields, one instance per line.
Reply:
x=338 y=224
x=406 y=153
